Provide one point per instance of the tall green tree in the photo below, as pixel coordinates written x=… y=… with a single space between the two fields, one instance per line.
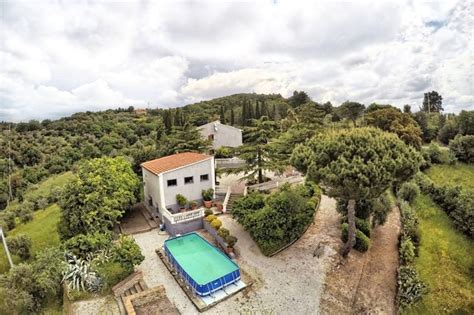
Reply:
x=466 y=122
x=432 y=102
x=402 y=124
x=298 y=98
x=221 y=115
x=256 y=150
x=99 y=193
x=351 y=111
x=183 y=139
x=356 y=164
x=232 y=117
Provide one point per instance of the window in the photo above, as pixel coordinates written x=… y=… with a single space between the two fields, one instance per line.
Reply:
x=172 y=182
x=150 y=201
x=204 y=177
x=210 y=137
x=188 y=180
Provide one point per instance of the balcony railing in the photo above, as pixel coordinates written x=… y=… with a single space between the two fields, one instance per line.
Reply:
x=183 y=216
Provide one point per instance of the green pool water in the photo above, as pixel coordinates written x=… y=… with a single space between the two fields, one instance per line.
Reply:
x=203 y=262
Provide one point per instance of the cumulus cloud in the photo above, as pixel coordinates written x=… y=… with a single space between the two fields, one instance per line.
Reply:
x=61 y=57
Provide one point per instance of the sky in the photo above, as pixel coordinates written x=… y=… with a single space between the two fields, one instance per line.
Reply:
x=61 y=57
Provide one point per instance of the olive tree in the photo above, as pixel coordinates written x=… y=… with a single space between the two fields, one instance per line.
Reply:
x=355 y=164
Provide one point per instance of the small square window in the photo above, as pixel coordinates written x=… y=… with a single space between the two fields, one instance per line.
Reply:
x=210 y=137
x=188 y=180
x=172 y=182
x=204 y=177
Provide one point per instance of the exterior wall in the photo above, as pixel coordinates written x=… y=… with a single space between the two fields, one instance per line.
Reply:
x=183 y=228
x=151 y=188
x=225 y=136
x=190 y=191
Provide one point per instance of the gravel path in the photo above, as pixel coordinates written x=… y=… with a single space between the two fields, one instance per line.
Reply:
x=288 y=283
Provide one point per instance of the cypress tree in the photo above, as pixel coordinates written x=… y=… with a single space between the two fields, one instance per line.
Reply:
x=232 y=118
x=251 y=114
x=264 y=109
x=244 y=114
x=257 y=110
x=222 y=117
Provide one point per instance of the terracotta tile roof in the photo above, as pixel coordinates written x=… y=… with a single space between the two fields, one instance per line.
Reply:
x=174 y=161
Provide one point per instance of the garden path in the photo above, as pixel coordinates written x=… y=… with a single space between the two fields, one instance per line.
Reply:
x=366 y=283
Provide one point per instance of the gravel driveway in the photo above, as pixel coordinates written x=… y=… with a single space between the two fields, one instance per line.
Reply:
x=287 y=283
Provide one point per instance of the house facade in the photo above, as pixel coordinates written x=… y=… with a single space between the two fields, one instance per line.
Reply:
x=221 y=135
x=183 y=173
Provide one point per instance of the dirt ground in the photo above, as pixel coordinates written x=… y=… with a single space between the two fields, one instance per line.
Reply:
x=366 y=283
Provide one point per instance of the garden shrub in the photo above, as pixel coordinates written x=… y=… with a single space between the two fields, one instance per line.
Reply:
x=407 y=251
x=380 y=209
x=463 y=148
x=231 y=240
x=437 y=155
x=363 y=226
x=216 y=224
x=8 y=217
x=410 y=287
x=276 y=220
x=362 y=241
x=210 y=218
x=408 y=191
x=409 y=221
x=208 y=212
x=112 y=273
x=81 y=245
x=20 y=245
x=223 y=232
x=126 y=252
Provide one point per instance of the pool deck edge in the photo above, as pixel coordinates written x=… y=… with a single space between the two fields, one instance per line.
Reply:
x=200 y=305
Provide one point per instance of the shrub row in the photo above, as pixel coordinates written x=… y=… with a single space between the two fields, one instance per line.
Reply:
x=457 y=203
x=216 y=224
x=463 y=148
x=410 y=286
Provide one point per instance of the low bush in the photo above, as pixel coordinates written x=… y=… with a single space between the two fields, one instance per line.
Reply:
x=410 y=287
x=409 y=221
x=111 y=273
x=210 y=218
x=438 y=155
x=362 y=241
x=380 y=209
x=408 y=191
x=181 y=200
x=363 y=226
x=407 y=251
x=223 y=232
x=278 y=219
x=208 y=212
x=463 y=148
x=231 y=240
x=8 y=217
x=126 y=252
x=82 y=245
x=20 y=245
x=216 y=224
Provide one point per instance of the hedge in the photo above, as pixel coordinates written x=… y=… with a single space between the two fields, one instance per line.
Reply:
x=362 y=241
x=457 y=203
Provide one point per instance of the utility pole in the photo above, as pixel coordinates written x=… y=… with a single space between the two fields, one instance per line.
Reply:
x=4 y=240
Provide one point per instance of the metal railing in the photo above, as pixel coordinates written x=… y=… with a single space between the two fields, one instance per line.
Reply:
x=226 y=199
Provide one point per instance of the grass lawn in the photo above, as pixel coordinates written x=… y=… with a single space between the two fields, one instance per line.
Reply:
x=42 y=230
x=45 y=187
x=445 y=263
x=458 y=174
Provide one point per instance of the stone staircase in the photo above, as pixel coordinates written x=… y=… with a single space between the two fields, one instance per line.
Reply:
x=232 y=198
x=131 y=285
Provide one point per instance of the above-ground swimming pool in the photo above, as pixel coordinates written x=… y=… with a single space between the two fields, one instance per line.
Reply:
x=204 y=267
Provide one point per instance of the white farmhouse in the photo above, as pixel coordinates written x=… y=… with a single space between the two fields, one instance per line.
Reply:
x=184 y=173
x=221 y=135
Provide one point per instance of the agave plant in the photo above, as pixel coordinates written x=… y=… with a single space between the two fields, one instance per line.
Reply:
x=79 y=275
